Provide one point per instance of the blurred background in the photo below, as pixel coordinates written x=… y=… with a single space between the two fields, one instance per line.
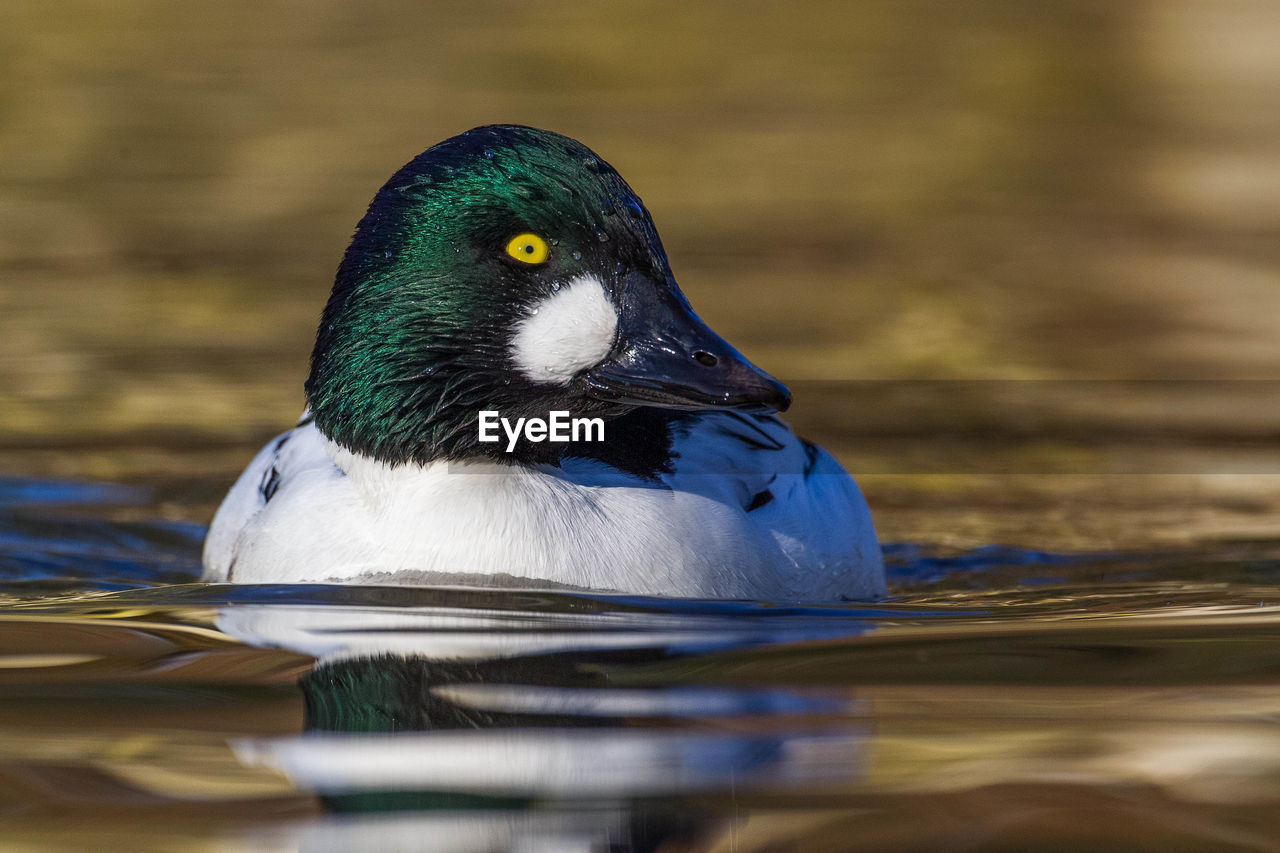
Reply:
x=873 y=201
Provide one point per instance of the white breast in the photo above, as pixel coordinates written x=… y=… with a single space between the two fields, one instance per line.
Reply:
x=335 y=516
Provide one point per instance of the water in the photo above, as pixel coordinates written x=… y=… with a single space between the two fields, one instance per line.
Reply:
x=1002 y=698
x=1056 y=203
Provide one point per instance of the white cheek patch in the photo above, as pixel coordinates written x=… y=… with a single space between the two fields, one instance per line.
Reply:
x=571 y=330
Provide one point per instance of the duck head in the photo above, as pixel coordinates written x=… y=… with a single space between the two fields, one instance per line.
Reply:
x=509 y=269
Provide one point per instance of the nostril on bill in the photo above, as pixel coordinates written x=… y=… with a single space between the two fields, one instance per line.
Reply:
x=705 y=358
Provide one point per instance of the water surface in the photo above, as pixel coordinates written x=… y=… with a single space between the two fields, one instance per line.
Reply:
x=1018 y=262
x=1001 y=698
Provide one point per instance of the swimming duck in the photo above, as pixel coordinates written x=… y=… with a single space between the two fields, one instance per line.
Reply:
x=509 y=276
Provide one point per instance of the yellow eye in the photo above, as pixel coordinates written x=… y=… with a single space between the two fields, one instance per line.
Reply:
x=529 y=248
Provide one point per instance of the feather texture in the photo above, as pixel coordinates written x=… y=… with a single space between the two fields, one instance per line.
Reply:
x=699 y=530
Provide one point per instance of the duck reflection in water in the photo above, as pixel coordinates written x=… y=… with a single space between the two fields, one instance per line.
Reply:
x=480 y=727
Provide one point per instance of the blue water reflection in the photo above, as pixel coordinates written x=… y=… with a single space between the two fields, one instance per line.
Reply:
x=429 y=709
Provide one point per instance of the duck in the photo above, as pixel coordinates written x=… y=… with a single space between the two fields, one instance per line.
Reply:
x=503 y=289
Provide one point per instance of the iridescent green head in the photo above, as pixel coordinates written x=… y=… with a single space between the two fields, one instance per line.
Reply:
x=509 y=269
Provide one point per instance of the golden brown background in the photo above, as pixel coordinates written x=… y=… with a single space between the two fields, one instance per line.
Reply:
x=848 y=191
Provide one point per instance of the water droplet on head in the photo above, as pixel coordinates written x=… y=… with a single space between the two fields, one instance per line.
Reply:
x=555 y=285
x=577 y=256
x=386 y=254
x=601 y=235
x=488 y=152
